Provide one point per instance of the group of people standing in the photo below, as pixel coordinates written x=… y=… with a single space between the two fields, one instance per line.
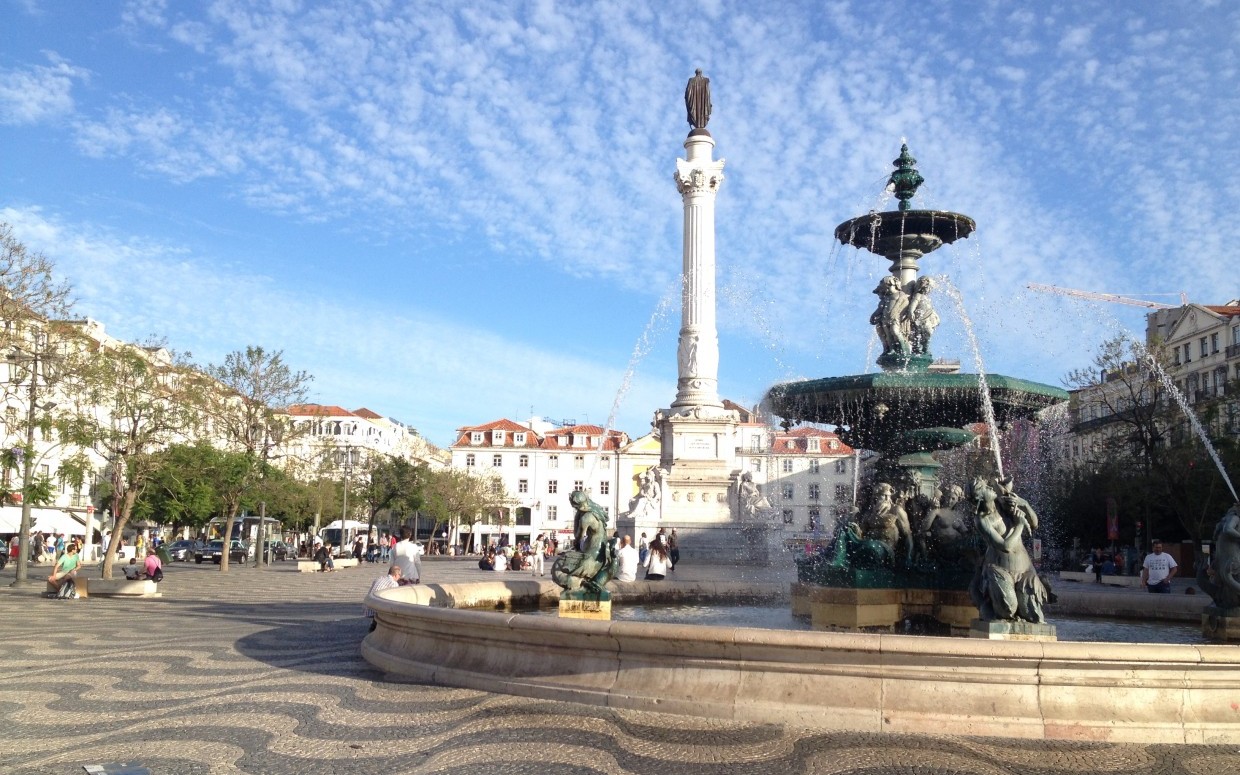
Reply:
x=658 y=557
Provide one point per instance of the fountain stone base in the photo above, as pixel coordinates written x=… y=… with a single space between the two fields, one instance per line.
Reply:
x=1005 y=630
x=585 y=604
x=880 y=609
x=1221 y=624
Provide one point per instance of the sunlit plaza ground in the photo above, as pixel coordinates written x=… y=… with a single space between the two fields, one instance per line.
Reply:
x=259 y=672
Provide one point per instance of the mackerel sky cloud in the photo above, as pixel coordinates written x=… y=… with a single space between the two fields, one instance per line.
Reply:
x=452 y=213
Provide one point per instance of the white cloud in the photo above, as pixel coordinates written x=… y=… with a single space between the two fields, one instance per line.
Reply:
x=38 y=93
x=433 y=372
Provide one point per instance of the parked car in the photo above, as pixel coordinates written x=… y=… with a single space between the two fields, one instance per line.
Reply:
x=278 y=549
x=183 y=551
x=213 y=551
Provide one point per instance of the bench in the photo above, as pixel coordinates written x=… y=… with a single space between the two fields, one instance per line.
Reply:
x=121 y=587
x=1088 y=578
x=312 y=566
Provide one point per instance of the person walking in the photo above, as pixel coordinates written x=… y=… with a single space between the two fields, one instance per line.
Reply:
x=673 y=549
x=1158 y=569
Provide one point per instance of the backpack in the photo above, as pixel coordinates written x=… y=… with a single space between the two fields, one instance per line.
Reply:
x=68 y=590
x=158 y=575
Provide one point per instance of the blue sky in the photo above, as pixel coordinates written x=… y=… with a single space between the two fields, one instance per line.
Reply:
x=453 y=212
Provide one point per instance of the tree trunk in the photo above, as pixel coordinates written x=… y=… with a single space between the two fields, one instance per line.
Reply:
x=228 y=528
x=126 y=508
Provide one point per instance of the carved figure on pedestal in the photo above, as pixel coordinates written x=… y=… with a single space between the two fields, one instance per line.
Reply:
x=697 y=100
x=946 y=531
x=1220 y=577
x=645 y=505
x=590 y=564
x=1006 y=585
x=886 y=522
x=750 y=500
x=920 y=317
x=887 y=318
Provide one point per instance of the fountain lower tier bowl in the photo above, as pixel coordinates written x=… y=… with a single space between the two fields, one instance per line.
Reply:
x=1119 y=692
x=885 y=411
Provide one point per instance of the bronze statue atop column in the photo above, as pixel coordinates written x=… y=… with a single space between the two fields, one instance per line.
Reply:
x=697 y=100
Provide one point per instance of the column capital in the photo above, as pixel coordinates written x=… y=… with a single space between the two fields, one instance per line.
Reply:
x=697 y=177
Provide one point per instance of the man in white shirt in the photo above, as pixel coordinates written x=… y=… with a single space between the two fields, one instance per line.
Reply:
x=501 y=561
x=1158 y=569
x=629 y=557
x=408 y=555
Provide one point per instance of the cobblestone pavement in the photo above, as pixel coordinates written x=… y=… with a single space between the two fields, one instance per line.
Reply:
x=259 y=672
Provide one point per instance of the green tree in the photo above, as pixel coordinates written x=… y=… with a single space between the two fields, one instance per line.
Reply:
x=185 y=488
x=257 y=385
x=1142 y=450
x=127 y=404
x=393 y=484
x=452 y=496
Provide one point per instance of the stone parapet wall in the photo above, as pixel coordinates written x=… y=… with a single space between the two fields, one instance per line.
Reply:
x=862 y=682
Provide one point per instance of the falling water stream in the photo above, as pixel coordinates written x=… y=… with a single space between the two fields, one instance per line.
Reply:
x=988 y=408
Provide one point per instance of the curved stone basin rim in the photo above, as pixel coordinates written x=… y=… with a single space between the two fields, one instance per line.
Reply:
x=845 y=681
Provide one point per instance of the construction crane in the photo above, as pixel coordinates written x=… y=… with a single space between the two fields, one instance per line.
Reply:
x=1110 y=296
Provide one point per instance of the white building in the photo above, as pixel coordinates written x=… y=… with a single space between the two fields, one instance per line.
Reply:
x=539 y=466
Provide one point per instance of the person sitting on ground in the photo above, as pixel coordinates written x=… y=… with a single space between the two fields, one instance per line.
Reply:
x=153 y=569
x=386 y=581
x=487 y=561
x=628 y=557
x=501 y=561
x=323 y=556
x=133 y=571
x=657 y=562
x=62 y=577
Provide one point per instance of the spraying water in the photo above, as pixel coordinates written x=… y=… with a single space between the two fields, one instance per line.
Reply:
x=1182 y=402
x=649 y=334
x=988 y=408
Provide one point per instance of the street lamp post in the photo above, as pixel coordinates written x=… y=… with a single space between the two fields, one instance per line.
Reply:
x=345 y=458
x=29 y=364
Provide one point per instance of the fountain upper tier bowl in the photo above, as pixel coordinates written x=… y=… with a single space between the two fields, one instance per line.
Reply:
x=876 y=411
x=889 y=233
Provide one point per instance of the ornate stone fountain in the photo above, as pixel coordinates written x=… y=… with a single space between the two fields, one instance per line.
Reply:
x=918 y=547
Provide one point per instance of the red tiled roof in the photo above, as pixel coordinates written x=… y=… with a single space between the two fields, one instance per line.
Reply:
x=614 y=440
x=319 y=410
x=368 y=414
x=1223 y=310
x=532 y=439
x=800 y=442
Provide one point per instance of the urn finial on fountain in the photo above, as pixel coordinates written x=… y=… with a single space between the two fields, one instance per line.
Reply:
x=906 y=179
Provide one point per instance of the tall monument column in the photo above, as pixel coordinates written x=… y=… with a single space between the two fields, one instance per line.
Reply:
x=698 y=178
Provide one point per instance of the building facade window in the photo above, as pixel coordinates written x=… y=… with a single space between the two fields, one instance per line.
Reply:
x=814 y=491
x=497 y=437
x=579 y=461
x=815 y=445
x=788 y=466
x=518 y=439
x=1205 y=350
x=604 y=487
x=476 y=437
x=523 y=485
x=470 y=460
x=841 y=466
x=1188 y=353
x=553 y=513
x=578 y=484
x=605 y=460
x=523 y=461
x=553 y=486
x=813 y=466
x=787 y=516
x=497 y=461
x=553 y=461
x=788 y=491
x=843 y=492
x=815 y=519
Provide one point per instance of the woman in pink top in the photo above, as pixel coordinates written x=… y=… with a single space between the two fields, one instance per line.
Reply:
x=153 y=567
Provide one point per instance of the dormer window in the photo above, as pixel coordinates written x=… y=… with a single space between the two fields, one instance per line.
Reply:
x=814 y=445
x=789 y=444
x=518 y=439
x=834 y=444
x=476 y=437
x=497 y=437
x=580 y=441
